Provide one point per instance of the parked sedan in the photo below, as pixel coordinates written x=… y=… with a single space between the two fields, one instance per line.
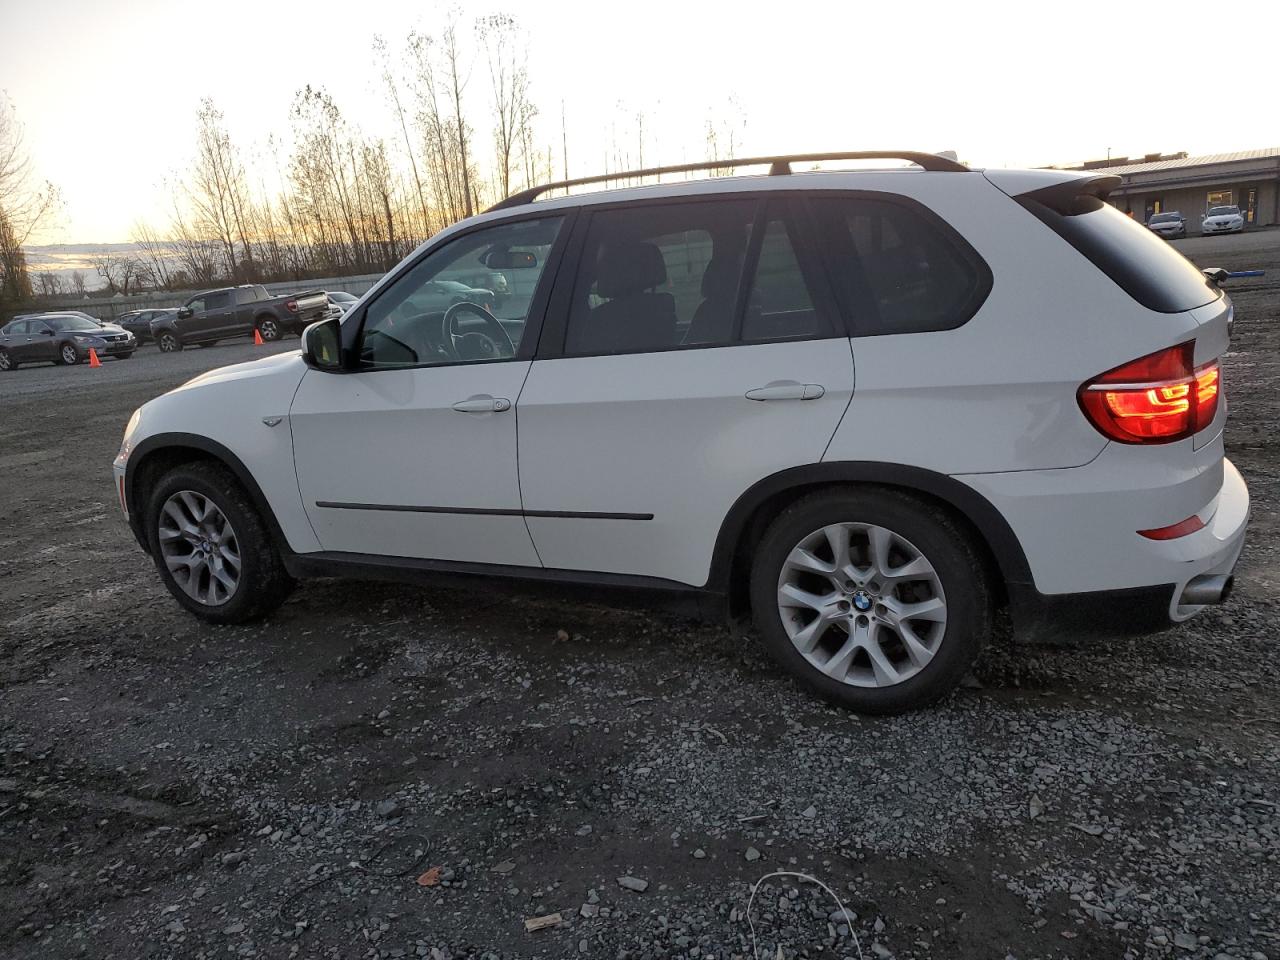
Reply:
x=339 y=303
x=1222 y=220
x=61 y=338
x=138 y=322
x=1171 y=225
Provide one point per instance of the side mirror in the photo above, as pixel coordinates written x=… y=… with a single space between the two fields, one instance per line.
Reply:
x=184 y=312
x=46 y=332
x=322 y=345
x=1215 y=275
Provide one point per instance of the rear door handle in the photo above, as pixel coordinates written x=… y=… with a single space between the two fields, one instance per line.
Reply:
x=786 y=390
x=482 y=403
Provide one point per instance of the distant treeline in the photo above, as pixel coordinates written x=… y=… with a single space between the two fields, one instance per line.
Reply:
x=333 y=200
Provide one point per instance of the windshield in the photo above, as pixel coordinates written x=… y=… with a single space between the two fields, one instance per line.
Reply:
x=71 y=323
x=1165 y=218
x=1224 y=211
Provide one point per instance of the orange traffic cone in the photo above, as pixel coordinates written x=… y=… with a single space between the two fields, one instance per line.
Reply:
x=93 y=358
x=257 y=337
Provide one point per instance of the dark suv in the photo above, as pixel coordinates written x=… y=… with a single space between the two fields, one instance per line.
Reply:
x=138 y=322
x=229 y=312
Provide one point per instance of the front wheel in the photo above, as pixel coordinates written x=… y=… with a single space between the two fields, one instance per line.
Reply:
x=269 y=329
x=211 y=547
x=875 y=600
x=167 y=342
x=68 y=355
x=7 y=362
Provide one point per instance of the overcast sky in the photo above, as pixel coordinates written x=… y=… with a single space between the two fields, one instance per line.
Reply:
x=108 y=89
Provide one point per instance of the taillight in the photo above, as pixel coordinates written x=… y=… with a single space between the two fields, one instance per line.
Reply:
x=1158 y=398
x=291 y=306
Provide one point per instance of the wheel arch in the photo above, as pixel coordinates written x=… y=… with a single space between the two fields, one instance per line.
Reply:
x=157 y=454
x=755 y=509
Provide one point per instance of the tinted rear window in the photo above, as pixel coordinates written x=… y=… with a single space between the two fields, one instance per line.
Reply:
x=1143 y=265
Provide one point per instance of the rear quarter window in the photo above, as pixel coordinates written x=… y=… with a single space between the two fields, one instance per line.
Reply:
x=1141 y=263
x=897 y=266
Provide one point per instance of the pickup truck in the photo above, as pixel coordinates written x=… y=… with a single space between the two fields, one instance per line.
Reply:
x=237 y=312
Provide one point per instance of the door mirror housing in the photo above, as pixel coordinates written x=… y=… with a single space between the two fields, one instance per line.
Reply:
x=184 y=312
x=322 y=345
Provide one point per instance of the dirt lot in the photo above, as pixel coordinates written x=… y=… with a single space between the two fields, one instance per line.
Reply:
x=169 y=789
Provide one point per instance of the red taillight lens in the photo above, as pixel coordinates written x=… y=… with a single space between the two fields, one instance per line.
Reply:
x=1158 y=398
x=291 y=306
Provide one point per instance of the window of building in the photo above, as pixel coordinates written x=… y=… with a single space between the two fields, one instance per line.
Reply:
x=1221 y=198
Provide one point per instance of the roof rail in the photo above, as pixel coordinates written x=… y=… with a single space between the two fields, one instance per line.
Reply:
x=778 y=167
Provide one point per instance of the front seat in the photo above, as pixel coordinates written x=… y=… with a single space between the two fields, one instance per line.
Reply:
x=633 y=318
x=713 y=320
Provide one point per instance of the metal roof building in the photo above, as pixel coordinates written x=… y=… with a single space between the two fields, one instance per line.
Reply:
x=1249 y=179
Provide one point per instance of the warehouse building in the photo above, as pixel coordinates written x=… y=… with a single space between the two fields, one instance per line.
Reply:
x=1249 y=179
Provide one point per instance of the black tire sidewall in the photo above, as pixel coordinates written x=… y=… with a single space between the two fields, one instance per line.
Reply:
x=943 y=543
x=262 y=584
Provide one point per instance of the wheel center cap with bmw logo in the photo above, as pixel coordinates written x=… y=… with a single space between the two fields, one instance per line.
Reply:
x=861 y=600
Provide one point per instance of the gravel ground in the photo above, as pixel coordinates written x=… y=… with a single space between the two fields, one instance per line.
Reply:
x=388 y=771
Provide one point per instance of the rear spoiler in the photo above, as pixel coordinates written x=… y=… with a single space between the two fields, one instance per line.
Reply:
x=1066 y=197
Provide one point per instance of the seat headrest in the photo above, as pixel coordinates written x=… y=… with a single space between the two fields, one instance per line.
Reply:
x=720 y=277
x=626 y=269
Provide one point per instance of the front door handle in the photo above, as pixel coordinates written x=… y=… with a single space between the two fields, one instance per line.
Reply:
x=482 y=403
x=786 y=390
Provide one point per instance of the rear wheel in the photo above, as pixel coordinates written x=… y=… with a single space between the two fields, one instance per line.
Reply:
x=167 y=342
x=67 y=354
x=7 y=362
x=212 y=549
x=270 y=329
x=876 y=600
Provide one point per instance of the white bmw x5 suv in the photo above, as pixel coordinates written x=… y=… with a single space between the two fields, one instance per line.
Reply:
x=868 y=408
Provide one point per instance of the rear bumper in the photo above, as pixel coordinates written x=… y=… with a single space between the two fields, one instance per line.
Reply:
x=1078 y=528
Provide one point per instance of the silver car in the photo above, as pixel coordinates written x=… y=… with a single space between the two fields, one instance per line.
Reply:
x=1171 y=225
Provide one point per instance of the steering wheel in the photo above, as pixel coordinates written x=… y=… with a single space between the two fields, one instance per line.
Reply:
x=493 y=344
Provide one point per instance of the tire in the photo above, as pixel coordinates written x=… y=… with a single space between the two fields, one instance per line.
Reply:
x=270 y=329
x=168 y=342
x=7 y=363
x=67 y=355
x=261 y=585
x=903 y=677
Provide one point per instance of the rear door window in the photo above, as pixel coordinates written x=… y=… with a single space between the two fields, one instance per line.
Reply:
x=659 y=277
x=897 y=267
x=1141 y=263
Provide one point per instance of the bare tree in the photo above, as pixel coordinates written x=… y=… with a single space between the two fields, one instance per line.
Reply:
x=157 y=254
x=77 y=284
x=122 y=272
x=48 y=283
x=388 y=78
x=219 y=192
x=513 y=112
x=26 y=206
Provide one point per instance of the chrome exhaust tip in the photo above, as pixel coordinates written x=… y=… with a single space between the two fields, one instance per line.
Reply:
x=1207 y=589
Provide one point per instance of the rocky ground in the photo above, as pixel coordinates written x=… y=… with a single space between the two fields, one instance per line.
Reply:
x=389 y=771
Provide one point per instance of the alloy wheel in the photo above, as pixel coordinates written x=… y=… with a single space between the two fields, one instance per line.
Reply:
x=68 y=353
x=269 y=330
x=199 y=547
x=5 y=362
x=862 y=604
x=167 y=343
